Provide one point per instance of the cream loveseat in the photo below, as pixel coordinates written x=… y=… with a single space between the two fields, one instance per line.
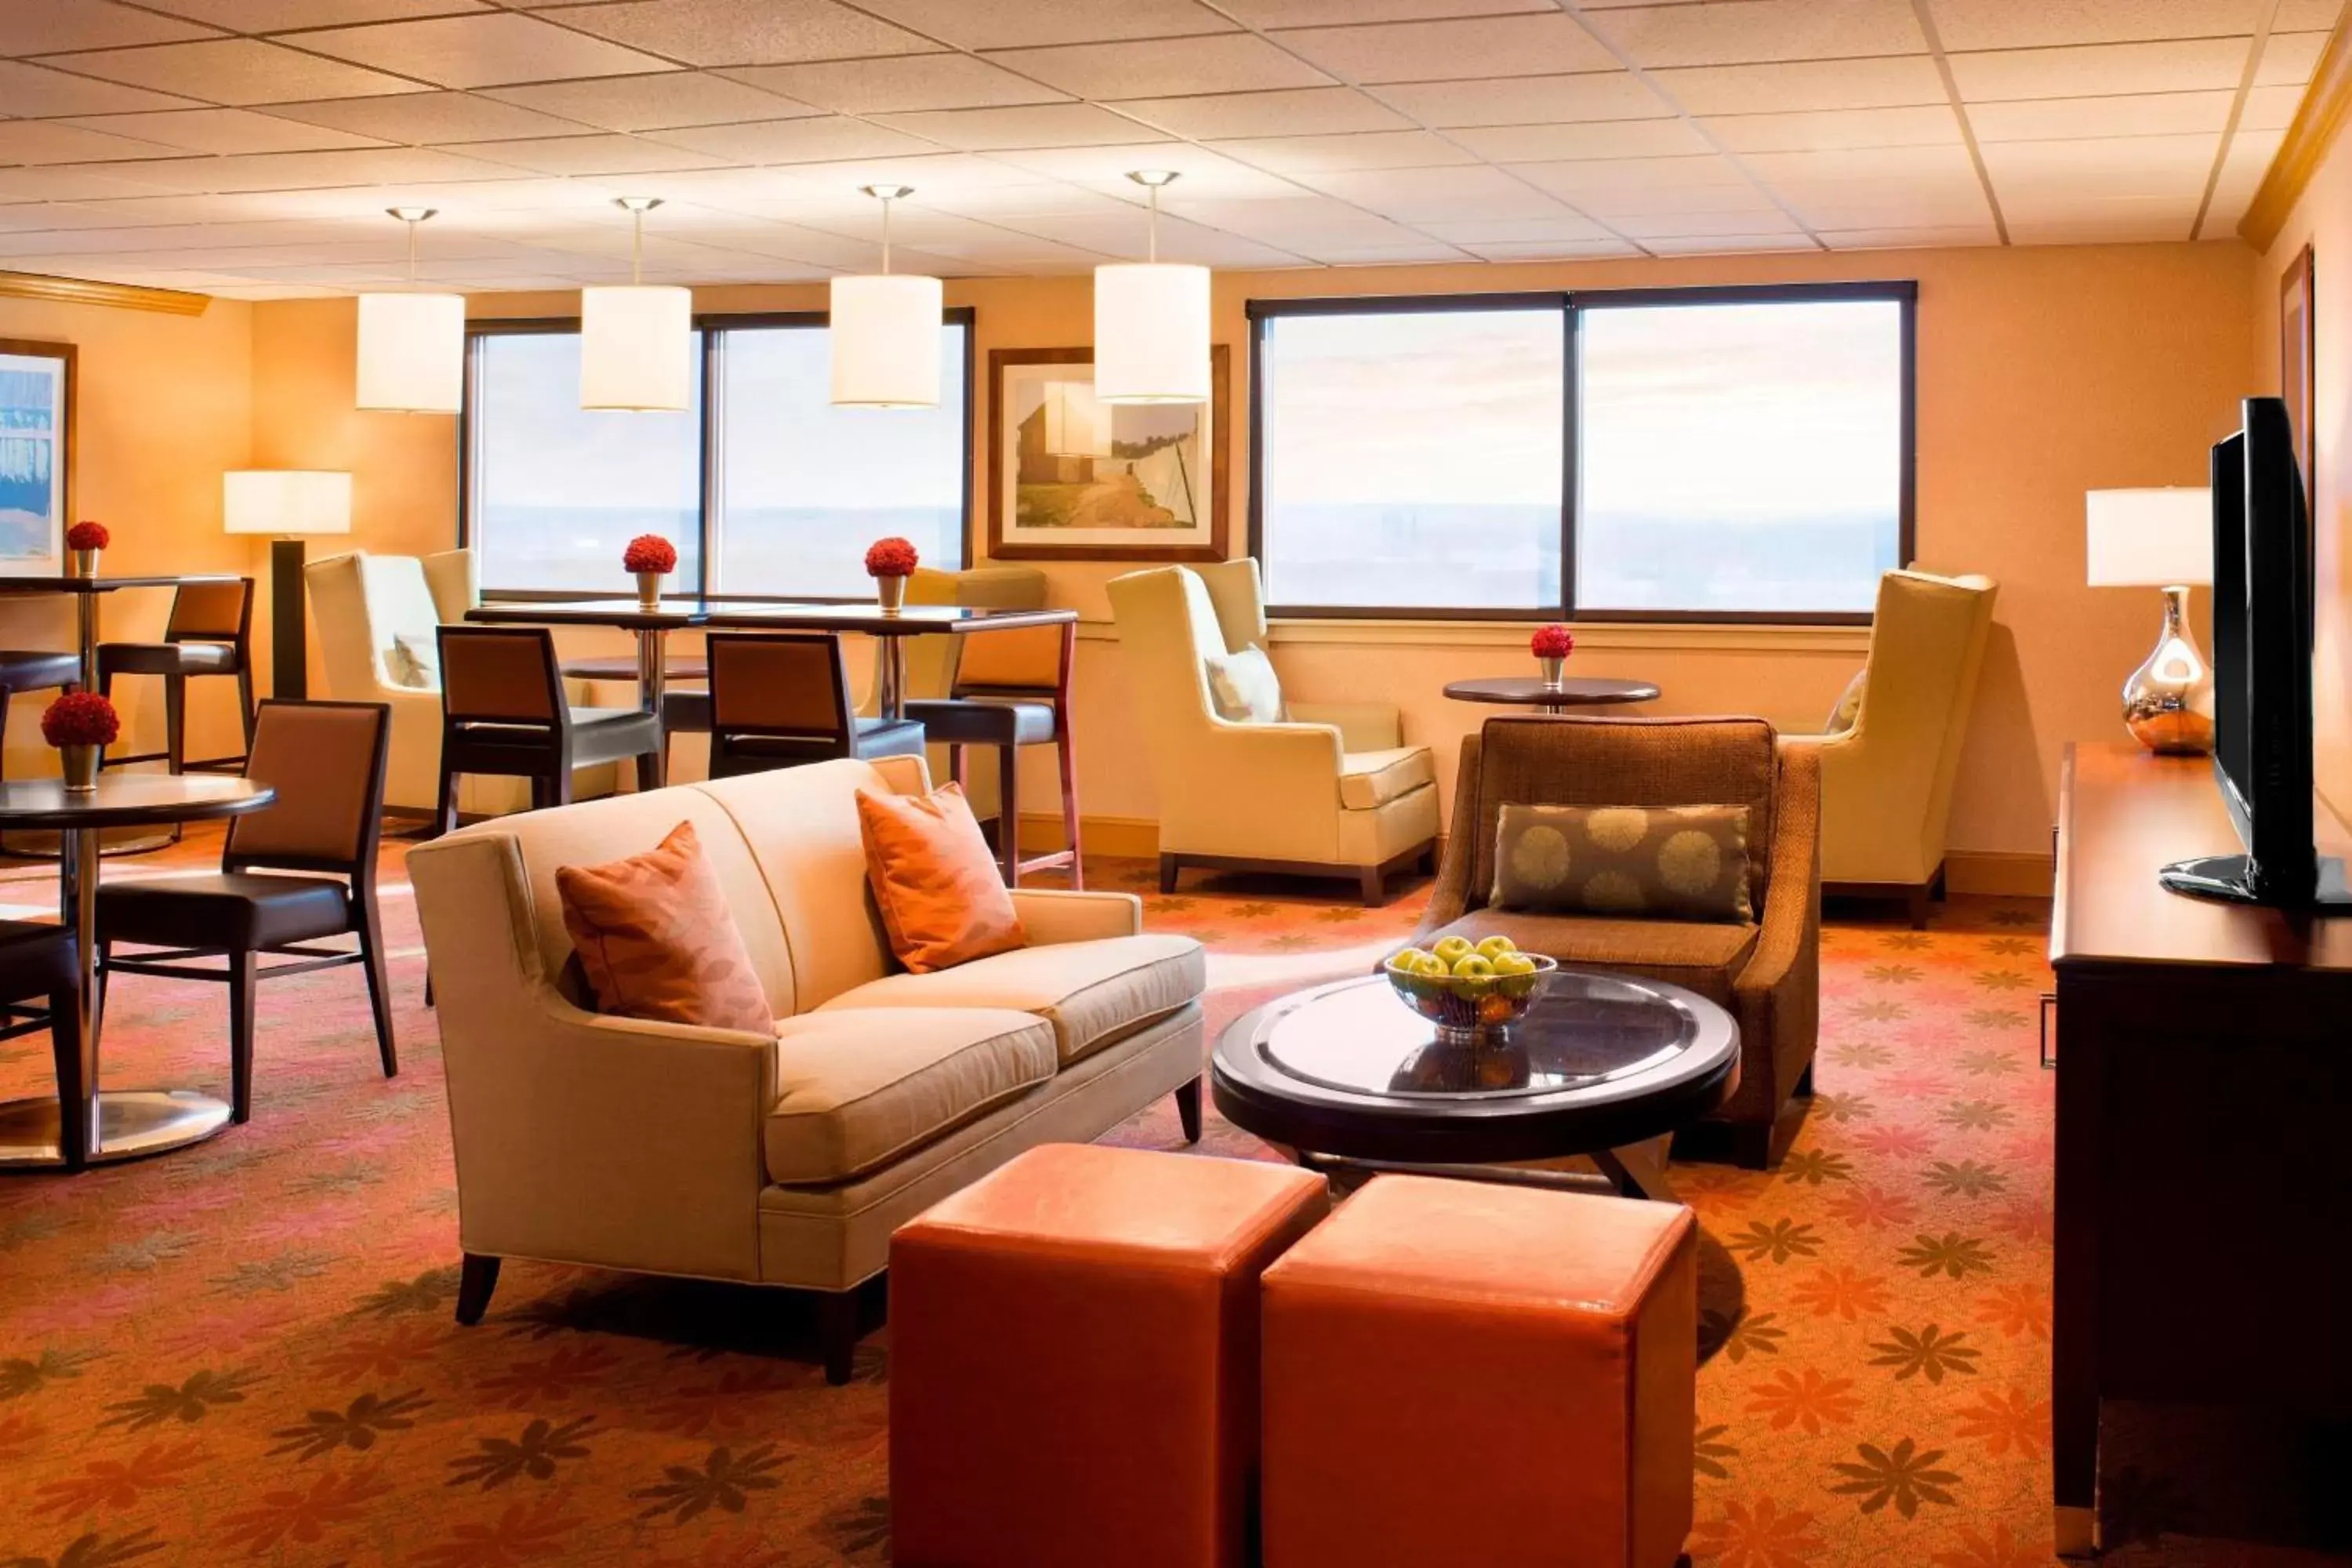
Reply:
x=784 y=1159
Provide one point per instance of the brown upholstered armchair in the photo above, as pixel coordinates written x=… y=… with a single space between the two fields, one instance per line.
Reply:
x=1767 y=974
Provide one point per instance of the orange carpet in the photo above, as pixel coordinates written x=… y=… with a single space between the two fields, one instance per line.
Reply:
x=244 y=1352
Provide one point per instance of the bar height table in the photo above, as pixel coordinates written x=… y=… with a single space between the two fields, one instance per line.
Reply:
x=83 y=1125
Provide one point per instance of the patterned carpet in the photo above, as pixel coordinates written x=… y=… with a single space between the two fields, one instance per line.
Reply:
x=244 y=1352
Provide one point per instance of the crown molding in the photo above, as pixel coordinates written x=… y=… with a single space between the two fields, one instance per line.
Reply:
x=2326 y=104
x=112 y=296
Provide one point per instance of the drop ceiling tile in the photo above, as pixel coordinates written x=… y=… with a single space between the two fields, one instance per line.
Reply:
x=1555 y=250
x=1656 y=200
x=2124 y=114
x=1528 y=100
x=73 y=184
x=2307 y=15
x=899 y=83
x=272 y=16
x=426 y=118
x=1584 y=176
x=1648 y=226
x=1885 y=206
x=1384 y=255
x=1009 y=204
x=236 y=71
x=1452 y=50
x=1516 y=231
x=1126 y=236
x=296 y=170
x=2120 y=227
x=1041 y=125
x=2006 y=24
x=1596 y=139
x=1022 y=24
x=2098 y=166
x=47 y=142
x=1951 y=235
x=1834 y=130
x=2289 y=60
x=792 y=141
x=487 y=50
x=37 y=92
x=1203 y=173
x=2270 y=108
x=1745 y=32
x=2180 y=66
x=1891 y=82
x=742 y=32
x=1369 y=150
x=2242 y=168
x=45 y=26
x=224 y=130
x=1416 y=195
x=1949 y=162
x=932 y=173
x=1728 y=244
x=1330 y=13
x=1226 y=62
x=600 y=154
x=1300 y=111
x=654 y=102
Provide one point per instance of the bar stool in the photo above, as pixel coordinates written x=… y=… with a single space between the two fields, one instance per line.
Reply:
x=210 y=633
x=780 y=698
x=1011 y=688
x=503 y=712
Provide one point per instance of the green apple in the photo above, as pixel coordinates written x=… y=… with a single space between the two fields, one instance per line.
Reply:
x=1473 y=966
x=1453 y=949
x=1513 y=963
x=1493 y=947
x=1429 y=966
x=1405 y=960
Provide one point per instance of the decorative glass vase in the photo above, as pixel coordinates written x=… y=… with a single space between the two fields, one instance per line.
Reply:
x=79 y=766
x=649 y=590
x=1553 y=680
x=892 y=591
x=82 y=562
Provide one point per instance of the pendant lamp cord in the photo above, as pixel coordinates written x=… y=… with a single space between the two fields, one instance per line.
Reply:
x=637 y=245
x=885 y=237
x=1155 y=224
x=412 y=251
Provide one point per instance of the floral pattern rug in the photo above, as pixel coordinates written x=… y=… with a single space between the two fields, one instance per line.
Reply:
x=244 y=1352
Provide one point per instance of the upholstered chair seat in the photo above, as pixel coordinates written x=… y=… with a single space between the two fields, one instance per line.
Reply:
x=249 y=909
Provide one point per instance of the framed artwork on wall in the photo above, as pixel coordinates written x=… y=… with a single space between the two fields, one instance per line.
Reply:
x=1072 y=478
x=37 y=429
x=2298 y=362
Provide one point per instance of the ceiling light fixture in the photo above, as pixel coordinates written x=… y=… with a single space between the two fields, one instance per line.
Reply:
x=636 y=342
x=412 y=345
x=886 y=330
x=1151 y=322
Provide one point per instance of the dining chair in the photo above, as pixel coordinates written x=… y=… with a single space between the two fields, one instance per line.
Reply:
x=293 y=874
x=210 y=632
x=40 y=983
x=780 y=698
x=34 y=669
x=504 y=713
x=1011 y=688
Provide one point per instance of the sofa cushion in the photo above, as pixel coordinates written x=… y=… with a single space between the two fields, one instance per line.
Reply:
x=942 y=899
x=1704 y=956
x=1092 y=993
x=1370 y=779
x=857 y=1088
x=655 y=935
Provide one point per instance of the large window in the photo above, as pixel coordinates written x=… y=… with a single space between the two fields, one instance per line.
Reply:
x=763 y=485
x=1640 y=453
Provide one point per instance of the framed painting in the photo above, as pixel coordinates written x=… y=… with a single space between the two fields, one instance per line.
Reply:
x=1072 y=478
x=2298 y=364
x=37 y=422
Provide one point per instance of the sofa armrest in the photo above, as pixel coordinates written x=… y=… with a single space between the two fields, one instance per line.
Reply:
x=1055 y=915
x=1362 y=726
x=1791 y=917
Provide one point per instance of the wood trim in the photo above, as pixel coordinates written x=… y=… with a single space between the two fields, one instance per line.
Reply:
x=110 y=296
x=1998 y=873
x=2326 y=104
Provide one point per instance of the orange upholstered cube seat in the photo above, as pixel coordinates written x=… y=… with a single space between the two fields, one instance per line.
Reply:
x=1466 y=1373
x=1073 y=1360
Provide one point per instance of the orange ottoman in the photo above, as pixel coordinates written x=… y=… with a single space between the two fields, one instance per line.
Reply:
x=1073 y=1360
x=1464 y=1373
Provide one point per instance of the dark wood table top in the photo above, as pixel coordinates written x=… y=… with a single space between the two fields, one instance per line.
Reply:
x=627 y=614
x=66 y=582
x=1599 y=1062
x=913 y=620
x=129 y=800
x=1528 y=690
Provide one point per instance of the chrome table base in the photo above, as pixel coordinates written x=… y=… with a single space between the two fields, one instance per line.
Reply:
x=132 y=1123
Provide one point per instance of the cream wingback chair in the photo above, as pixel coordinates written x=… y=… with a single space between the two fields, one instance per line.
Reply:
x=1328 y=790
x=374 y=614
x=1889 y=759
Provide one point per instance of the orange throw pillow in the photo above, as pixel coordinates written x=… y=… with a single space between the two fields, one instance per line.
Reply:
x=943 y=900
x=657 y=940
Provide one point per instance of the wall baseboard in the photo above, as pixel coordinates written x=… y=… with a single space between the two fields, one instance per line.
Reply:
x=1998 y=874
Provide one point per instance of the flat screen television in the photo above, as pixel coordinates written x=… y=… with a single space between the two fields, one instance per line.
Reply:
x=2262 y=630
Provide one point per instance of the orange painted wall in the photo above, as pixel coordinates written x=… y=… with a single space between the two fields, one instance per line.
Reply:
x=2042 y=373
x=164 y=409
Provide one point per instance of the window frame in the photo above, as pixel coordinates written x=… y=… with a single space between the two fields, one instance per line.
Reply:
x=1573 y=304
x=713 y=326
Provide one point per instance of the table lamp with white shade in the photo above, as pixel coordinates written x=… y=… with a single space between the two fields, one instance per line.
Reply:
x=2160 y=539
x=291 y=503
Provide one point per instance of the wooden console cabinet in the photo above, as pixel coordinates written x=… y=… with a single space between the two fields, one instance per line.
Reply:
x=2204 y=1163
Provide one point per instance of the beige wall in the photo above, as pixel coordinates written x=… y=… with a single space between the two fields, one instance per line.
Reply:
x=2042 y=373
x=164 y=409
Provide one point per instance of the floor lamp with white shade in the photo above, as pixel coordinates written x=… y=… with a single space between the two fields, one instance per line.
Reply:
x=289 y=504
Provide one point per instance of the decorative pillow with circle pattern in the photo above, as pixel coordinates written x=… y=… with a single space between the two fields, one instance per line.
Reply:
x=1653 y=862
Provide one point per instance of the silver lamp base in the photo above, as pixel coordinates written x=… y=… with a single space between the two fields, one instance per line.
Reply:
x=2169 y=701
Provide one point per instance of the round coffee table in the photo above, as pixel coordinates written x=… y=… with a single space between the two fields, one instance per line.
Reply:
x=1530 y=691
x=1603 y=1065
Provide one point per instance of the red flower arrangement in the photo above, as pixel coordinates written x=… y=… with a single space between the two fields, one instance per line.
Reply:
x=891 y=557
x=87 y=536
x=650 y=553
x=1552 y=642
x=80 y=719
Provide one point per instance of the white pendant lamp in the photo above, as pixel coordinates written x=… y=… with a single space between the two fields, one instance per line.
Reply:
x=412 y=351
x=637 y=344
x=1151 y=322
x=886 y=330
